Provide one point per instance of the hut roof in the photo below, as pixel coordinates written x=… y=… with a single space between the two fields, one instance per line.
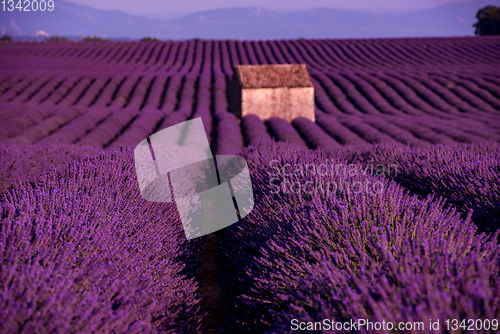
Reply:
x=273 y=76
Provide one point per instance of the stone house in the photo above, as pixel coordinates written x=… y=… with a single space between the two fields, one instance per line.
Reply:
x=284 y=90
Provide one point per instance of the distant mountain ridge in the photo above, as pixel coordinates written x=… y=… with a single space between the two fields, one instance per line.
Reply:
x=70 y=19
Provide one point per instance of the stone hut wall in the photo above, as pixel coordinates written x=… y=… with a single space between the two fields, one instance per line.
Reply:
x=284 y=91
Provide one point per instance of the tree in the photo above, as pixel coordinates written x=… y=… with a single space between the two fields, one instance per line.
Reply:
x=94 y=39
x=488 y=21
x=58 y=39
x=149 y=39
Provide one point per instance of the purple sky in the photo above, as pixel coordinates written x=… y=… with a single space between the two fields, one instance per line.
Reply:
x=175 y=7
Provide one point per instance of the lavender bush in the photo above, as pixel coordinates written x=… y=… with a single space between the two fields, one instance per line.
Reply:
x=254 y=129
x=83 y=252
x=315 y=136
x=283 y=131
x=27 y=162
x=467 y=175
x=305 y=254
x=229 y=137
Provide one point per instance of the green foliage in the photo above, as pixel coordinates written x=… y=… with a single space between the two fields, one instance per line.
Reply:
x=150 y=39
x=5 y=38
x=58 y=39
x=94 y=39
x=488 y=21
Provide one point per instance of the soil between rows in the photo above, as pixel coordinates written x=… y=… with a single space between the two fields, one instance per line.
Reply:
x=208 y=280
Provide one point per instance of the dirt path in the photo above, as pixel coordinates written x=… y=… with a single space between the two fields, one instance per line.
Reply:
x=208 y=278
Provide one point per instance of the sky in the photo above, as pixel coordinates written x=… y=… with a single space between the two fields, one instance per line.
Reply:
x=172 y=8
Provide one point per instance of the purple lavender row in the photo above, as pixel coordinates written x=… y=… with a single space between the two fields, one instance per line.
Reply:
x=460 y=130
x=55 y=118
x=166 y=60
x=391 y=95
x=11 y=110
x=313 y=57
x=76 y=92
x=270 y=55
x=203 y=94
x=124 y=92
x=374 y=97
x=323 y=100
x=23 y=117
x=468 y=97
x=233 y=53
x=329 y=59
x=422 y=132
x=430 y=91
x=399 y=134
x=468 y=55
x=92 y=91
x=252 y=56
x=336 y=130
x=453 y=131
x=79 y=127
x=410 y=95
x=353 y=94
x=20 y=86
x=23 y=163
x=283 y=131
x=227 y=67
x=136 y=100
x=140 y=52
x=462 y=173
x=155 y=92
x=94 y=256
x=220 y=83
x=493 y=78
x=462 y=85
x=142 y=127
x=122 y=49
x=346 y=54
x=41 y=92
x=229 y=136
x=334 y=51
x=283 y=54
x=129 y=52
x=373 y=103
x=242 y=53
x=110 y=129
x=365 y=131
x=105 y=97
x=170 y=101
x=261 y=55
x=157 y=55
x=10 y=82
x=309 y=254
x=336 y=94
x=187 y=94
x=313 y=134
x=476 y=102
x=254 y=130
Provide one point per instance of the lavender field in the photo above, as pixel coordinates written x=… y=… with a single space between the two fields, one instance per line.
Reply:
x=114 y=94
x=82 y=252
